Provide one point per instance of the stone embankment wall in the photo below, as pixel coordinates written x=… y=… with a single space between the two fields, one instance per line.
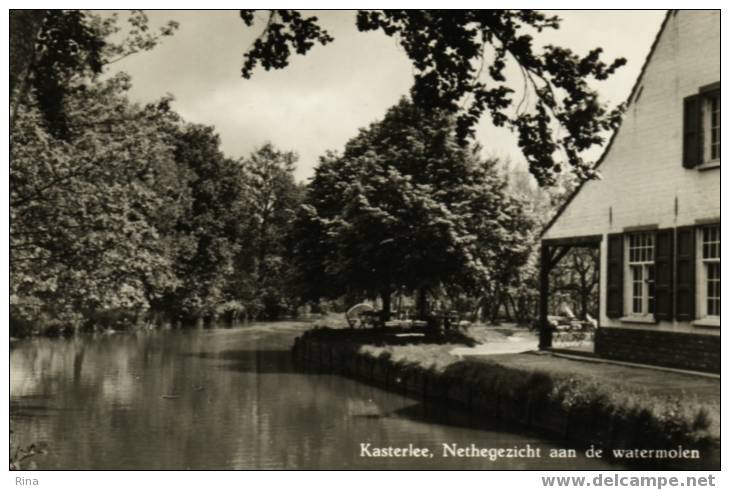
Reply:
x=513 y=398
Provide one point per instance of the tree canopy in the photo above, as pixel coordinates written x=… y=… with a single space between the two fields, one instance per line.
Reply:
x=55 y=53
x=272 y=197
x=405 y=206
x=460 y=60
x=90 y=215
x=116 y=206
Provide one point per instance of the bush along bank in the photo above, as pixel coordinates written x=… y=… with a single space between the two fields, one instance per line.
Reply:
x=576 y=409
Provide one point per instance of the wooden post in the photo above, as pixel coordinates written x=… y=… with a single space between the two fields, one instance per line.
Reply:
x=546 y=334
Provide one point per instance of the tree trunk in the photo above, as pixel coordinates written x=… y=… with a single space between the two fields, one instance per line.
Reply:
x=476 y=313
x=521 y=309
x=515 y=311
x=385 y=296
x=584 y=304
x=25 y=25
x=495 y=312
x=422 y=303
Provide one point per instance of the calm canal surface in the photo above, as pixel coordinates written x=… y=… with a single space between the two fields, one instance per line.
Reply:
x=225 y=399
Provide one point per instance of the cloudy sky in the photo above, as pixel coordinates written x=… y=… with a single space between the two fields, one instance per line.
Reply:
x=322 y=99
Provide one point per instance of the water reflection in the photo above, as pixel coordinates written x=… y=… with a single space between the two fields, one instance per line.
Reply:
x=222 y=398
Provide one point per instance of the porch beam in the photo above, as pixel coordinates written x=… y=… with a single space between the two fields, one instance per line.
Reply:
x=546 y=334
x=578 y=241
x=560 y=252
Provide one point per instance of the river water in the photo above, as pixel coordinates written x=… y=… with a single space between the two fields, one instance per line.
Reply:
x=228 y=399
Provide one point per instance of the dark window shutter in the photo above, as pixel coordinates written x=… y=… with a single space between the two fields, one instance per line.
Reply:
x=615 y=276
x=663 y=266
x=685 y=274
x=692 y=132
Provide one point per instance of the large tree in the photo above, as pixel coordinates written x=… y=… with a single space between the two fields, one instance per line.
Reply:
x=212 y=224
x=405 y=206
x=94 y=188
x=91 y=214
x=272 y=196
x=117 y=208
x=461 y=59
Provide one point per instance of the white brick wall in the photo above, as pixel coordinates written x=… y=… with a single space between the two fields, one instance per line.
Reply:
x=642 y=174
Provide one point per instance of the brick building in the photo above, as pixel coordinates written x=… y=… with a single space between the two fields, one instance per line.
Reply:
x=655 y=213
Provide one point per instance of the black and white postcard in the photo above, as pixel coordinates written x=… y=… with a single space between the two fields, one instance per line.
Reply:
x=365 y=240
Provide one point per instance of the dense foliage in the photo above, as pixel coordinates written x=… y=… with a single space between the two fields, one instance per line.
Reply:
x=122 y=212
x=272 y=199
x=461 y=61
x=55 y=53
x=406 y=208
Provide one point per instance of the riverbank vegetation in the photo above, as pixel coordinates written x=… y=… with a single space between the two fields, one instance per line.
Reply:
x=555 y=396
x=127 y=214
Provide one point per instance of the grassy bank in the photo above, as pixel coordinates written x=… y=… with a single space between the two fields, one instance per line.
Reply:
x=578 y=407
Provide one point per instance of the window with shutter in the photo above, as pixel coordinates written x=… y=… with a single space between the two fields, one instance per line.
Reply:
x=685 y=274
x=614 y=276
x=711 y=127
x=708 y=273
x=663 y=274
x=691 y=147
x=701 y=129
x=640 y=275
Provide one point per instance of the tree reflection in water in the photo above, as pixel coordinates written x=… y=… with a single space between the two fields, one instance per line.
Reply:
x=221 y=398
